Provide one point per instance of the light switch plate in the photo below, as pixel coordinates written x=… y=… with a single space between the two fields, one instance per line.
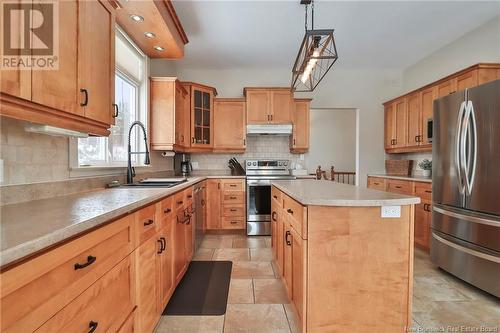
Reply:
x=390 y=211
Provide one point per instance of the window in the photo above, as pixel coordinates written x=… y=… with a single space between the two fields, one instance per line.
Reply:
x=131 y=98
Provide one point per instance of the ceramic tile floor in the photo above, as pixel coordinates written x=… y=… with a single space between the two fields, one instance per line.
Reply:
x=258 y=303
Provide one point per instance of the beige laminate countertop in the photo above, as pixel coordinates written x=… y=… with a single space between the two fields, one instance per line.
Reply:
x=29 y=227
x=411 y=178
x=328 y=193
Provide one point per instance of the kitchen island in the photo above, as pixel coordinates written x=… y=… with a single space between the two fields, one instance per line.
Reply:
x=346 y=266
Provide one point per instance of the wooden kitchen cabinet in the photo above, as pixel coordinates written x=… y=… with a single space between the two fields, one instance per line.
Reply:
x=411 y=125
x=226 y=202
x=195 y=128
x=268 y=105
x=79 y=95
x=299 y=261
x=377 y=183
x=146 y=284
x=414 y=122
x=165 y=258
x=299 y=141
x=277 y=229
x=58 y=89
x=423 y=216
x=180 y=259
x=167 y=108
x=229 y=125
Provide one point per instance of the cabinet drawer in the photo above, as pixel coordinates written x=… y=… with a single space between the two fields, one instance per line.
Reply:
x=400 y=186
x=296 y=215
x=377 y=183
x=423 y=190
x=34 y=291
x=233 y=211
x=146 y=223
x=276 y=195
x=106 y=304
x=233 y=184
x=233 y=223
x=233 y=197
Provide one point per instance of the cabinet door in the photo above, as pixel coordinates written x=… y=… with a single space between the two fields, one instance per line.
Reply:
x=427 y=100
x=213 y=204
x=59 y=88
x=179 y=245
x=258 y=107
x=389 y=126
x=280 y=242
x=163 y=102
x=165 y=281
x=467 y=80
x=16 y=82
x=96 y=45
x=401 y=124
x=298 y=272
x=281 y=107
x=414 y=120
x=275 y=211
x=201 y=117
x=229 y=125
x=287 y=258
x=146 y=287
x=300 y=116
x=189 y=240
x=422 y=224
x=446 y=87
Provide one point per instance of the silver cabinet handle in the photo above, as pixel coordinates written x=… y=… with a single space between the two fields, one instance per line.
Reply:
x=474 y=219
x=461 y=248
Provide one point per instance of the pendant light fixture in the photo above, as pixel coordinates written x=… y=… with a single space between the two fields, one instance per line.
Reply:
x=316 y=56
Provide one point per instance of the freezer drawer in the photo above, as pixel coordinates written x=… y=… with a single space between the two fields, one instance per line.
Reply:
x=469 y=263
x=478 y=229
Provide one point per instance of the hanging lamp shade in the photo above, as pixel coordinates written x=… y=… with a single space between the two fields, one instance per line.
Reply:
x=316 y=56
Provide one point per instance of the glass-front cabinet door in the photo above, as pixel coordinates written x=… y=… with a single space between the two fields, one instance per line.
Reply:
x=201 y=130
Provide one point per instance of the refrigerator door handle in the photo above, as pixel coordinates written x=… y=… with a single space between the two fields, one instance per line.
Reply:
x=471 y=135
x=466 y=249
x=459 y=159
x=474 y=219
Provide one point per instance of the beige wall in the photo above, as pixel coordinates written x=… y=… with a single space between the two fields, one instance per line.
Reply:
x=333 y=140
x=479 y=45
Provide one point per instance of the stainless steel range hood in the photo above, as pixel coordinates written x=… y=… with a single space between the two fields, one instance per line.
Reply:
x=285 y=130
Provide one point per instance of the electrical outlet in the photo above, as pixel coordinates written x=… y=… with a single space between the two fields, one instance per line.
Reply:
x=195 y=165
x=390 y=211
x=301 y=157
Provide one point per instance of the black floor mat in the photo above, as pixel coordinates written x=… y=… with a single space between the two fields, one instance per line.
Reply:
x=203 y=290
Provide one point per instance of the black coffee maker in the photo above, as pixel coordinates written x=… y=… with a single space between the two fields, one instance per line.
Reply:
x=182 y=165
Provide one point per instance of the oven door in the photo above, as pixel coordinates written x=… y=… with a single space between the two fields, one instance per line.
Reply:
x=258 y=200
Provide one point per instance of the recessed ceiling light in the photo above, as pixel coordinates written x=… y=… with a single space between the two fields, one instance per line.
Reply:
x=136 y=18
x=149 y=35
x=159 y=48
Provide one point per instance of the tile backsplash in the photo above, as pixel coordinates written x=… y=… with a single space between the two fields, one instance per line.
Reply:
x=258 y=147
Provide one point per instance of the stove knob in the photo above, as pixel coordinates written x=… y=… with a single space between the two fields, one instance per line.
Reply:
x=254 y=163
x=285 y=163
x=249 y=163
x=280 y=163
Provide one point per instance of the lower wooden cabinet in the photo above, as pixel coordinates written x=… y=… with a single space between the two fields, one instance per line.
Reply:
x=226 y=204
x=299 y=257
x=277 y=231
x=180 y=259
x=423 y=211
x=287 y=258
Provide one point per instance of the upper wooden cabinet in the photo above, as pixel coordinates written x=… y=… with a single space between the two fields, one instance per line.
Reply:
x=79 y=94
x=406 y=117
x=229 y=124
x=268 y=105
x=299 y=141
x=167 y=100
x=196 y=118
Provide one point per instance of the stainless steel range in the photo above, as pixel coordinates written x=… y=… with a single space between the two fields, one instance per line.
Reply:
x=260 y=174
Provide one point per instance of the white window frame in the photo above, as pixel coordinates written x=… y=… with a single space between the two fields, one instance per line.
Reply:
x=75 y=170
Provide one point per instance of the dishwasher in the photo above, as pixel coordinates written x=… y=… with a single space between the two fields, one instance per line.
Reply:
x=199 y=193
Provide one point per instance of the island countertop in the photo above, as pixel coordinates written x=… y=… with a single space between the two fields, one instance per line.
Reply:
x=328 y=193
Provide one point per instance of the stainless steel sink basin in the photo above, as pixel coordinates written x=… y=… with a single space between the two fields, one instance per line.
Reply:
x=163 y=184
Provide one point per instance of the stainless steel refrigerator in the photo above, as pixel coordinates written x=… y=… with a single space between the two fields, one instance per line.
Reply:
x=465 y=232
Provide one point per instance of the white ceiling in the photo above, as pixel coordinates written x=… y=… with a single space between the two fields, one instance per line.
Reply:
x=250 y=34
